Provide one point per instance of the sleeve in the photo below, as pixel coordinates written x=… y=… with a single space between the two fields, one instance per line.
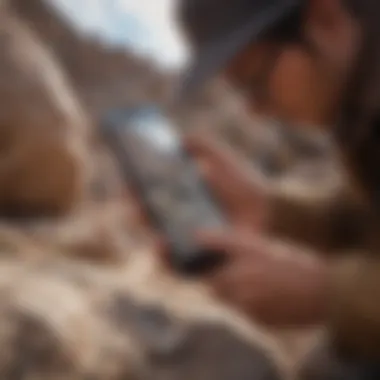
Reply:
x=355 y=305
x=327 y=223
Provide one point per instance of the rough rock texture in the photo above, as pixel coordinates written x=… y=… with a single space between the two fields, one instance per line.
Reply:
x=43 y=158
x=100 y=74
x=291 y=164
x=68 y=320
x=83 y=296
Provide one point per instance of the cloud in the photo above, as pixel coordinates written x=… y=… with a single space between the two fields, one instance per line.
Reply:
x=157 y=16
x=148 y=25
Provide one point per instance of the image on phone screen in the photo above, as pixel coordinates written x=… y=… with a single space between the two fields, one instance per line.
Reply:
x=167 y=178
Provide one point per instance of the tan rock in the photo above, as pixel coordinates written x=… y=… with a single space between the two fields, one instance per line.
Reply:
x=42 y=127
x=64 y=319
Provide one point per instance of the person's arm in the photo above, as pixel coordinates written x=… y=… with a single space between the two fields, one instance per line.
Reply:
x=354 y=307
x=332 y=222
x=322 y=213
x=353 y=288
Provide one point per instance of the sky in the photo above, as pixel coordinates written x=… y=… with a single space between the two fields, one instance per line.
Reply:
x=148 y=26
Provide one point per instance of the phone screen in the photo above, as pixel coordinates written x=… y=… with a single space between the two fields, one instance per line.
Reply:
x=169 y=180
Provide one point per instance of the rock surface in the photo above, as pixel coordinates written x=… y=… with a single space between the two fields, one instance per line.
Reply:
x=43 y=157
x=83 y=295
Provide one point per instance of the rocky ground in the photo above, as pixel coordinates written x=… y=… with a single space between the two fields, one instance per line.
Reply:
x=83 y=295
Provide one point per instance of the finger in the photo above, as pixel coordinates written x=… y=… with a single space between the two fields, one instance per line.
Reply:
x=216 y=152
x=237 y=285
x=232 y=192
x=246 y=245
x=252 y=221
x=228 y=193
x=222 y=165
x=244 y=287
x=232 y=244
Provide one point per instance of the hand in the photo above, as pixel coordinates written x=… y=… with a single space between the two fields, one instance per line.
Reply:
x=269 y=281
x=232 y=181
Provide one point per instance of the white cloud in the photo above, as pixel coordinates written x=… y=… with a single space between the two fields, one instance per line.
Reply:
x=149 y=24
x=87 y=14
x=158 y=16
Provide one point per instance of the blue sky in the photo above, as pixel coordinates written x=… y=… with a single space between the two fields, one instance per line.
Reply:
x=148 y=26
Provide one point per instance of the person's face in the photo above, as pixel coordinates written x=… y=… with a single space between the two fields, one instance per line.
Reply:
x=301 y=82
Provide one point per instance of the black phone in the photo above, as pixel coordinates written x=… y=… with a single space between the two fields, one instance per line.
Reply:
x=177 y=200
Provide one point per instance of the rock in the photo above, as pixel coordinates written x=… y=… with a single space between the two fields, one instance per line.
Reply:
x=65 y=320
x=78 y=299
x=42 y=127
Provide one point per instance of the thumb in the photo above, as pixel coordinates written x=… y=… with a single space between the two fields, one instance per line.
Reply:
x=217 y=152
x=229 y=243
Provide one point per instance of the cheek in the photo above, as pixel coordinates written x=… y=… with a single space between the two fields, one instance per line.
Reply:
x=299 y=91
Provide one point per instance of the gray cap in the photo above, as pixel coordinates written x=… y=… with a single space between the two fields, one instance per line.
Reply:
x=218 y=29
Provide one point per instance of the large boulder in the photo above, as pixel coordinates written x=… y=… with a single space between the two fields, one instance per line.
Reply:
x=69 y=319
x=42 y=127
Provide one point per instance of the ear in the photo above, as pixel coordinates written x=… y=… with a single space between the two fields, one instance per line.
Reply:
x=332 y=32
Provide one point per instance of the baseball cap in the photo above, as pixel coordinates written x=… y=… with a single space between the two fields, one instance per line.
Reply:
x=218 y=29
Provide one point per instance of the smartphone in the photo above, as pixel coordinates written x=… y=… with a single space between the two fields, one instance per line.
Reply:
x=163 y=174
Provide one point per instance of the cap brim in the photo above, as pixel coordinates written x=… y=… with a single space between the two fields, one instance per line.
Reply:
x=217 y=54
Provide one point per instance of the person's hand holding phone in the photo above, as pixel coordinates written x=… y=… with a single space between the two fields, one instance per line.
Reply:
x=231 y=182
x=270 y=281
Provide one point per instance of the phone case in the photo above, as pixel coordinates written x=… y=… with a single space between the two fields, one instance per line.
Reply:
x=185 y=188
